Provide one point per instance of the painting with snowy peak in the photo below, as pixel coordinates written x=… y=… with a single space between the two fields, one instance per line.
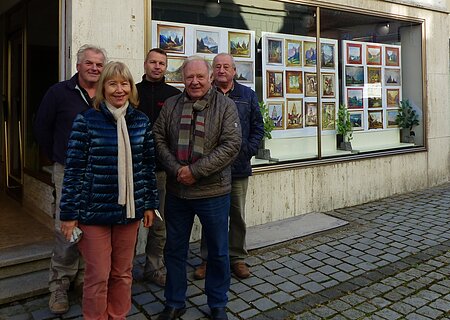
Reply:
x=327 y=52
x=293 y=53
x=207 y=42
x=171 y=38
x=239 y=44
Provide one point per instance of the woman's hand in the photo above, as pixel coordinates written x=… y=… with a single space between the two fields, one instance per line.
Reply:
x=67 y=228
x=149 y=216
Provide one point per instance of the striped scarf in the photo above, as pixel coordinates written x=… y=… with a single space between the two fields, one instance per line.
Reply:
x=191 y=135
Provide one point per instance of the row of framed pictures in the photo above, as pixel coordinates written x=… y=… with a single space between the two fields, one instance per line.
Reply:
x=183 y=40
x=298 y=113
x=362 y=53
x=373 y=97
x=376 y=119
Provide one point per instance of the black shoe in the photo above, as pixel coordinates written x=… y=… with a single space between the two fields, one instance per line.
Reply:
x=171 y=313
x=219 y=313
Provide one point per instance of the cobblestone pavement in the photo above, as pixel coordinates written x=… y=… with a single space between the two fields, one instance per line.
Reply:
x=391 y=262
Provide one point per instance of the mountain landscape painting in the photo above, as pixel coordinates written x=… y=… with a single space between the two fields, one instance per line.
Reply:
x=239 y=44
x=171 y=38
x=207 y=42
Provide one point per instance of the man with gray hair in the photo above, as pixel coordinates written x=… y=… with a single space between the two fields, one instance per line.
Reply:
x=52 y=127
x=197 y=136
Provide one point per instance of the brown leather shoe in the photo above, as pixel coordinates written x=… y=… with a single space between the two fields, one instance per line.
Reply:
x=200 y=271
x=240 y=269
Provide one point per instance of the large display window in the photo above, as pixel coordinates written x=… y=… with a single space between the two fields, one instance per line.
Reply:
x=322 y=75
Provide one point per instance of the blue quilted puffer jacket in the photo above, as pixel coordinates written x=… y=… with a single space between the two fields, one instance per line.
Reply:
x=90 y=188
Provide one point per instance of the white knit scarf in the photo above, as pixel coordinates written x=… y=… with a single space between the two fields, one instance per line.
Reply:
x=124 y=160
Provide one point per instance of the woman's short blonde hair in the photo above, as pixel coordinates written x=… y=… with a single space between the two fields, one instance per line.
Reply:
x=115 y=69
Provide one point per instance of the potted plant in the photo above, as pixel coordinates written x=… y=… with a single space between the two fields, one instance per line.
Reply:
x=406 y=119
x=344 y=129
x=264 y=153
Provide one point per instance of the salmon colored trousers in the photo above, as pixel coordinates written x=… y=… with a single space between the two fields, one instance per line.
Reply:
x=108 y=253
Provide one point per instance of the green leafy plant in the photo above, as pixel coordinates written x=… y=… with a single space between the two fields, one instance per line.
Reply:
x=343 y=124
x=407 y=117
x=268 y=122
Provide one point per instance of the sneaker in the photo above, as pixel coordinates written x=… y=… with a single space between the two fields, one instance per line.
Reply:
x=200 y=271
x=157 y=278
x=59 y=302
x=240 y=269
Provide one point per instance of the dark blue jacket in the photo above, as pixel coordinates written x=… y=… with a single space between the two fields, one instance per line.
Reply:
x=53 y=123
x=252 y=128
x=90 y=188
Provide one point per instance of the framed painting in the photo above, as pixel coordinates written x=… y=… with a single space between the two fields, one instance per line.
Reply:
x=207 y=42
x=391 y=116
x=327 y=55
x=171 y=38
x=328 y=115
x=309 y=53
x=375 y=119
x=239 y=44
x=274 y=81
x=392 y=77
x=374 y=102
x=328 y=85
x=373 y=55
x=354 y=76
x=276 y=113
x=244 y=71
x=355 y=98
x=294 y=81
x=310 y=84
x=374 y=75
x=356 y=120
x=173 y=72
x=391 y=56
x=354 y=53
x=293 y=51
x=310 y=114
x=274 y=51
x=392 y=98
x=294 y=116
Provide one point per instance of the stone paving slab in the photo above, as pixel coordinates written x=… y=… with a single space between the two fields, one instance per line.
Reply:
x=391 y=262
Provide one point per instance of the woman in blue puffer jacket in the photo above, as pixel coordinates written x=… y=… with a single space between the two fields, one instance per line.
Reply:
x=109 y=186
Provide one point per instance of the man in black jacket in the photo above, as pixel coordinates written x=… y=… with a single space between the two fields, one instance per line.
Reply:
x=153 y=91
x=52 y=127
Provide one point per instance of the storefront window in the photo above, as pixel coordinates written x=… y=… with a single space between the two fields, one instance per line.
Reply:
x=363 y=70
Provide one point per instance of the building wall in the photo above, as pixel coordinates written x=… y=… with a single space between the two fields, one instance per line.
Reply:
x=119 y=27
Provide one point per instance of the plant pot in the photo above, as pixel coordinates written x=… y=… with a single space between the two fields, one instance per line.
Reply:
x=339 y=140
x=263 y=153
x=407 y=136
x=346 y=145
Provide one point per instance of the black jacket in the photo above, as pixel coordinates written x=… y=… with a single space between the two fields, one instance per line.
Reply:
x=152 y=96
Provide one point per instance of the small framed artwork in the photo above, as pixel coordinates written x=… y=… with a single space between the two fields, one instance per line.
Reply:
x=173 y=72
x=375 y=102
x=374 y=75
x=392 y=77
x=276 y=113
x=391 y=116
x=354 y=53
x=294 y=118
x=310 y=53
x=171 y=38
x=328 y=115
x=274 y=51
x=310 y=84
x=355 y=98
x=391 y=56
x=293 y=49
x=375 y=119
x=356 y=119
x=392 y=98
x=244 y=71
x=239 y=44
x=207 y=42
x=294 y=82
x=328 y=85
x=373 y=55
x=327 y=52
x=310 y=114
x=354 y=76
x=274 y=83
